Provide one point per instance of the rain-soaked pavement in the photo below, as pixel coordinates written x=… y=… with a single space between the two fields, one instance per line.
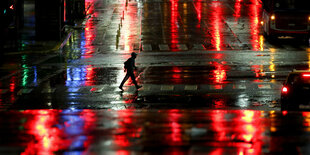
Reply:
x=211 y=83
x=86 y=131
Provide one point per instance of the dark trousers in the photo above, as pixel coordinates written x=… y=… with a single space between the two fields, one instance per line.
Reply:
x=132 y=76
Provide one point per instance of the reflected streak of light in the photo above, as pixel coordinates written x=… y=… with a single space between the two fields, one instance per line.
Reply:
x=90 y=74
x=243 y=100
x=218 y=125
x=45 y=135
x=176 y=76
x=176 y=132
x=217 y=24
x=248 y=116
x=89 y=6
x=308 y=61
x=174 y=21
x=35 y=80
x=237 y=9
x=261 y=42
x=254 y=15
x=129 y=27
x=219 y=73
x=198 y=9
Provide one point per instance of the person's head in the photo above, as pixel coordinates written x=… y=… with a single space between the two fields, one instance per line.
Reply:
x=134 y=55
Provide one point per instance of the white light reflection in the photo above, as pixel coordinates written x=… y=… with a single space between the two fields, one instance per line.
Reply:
x=243 y=100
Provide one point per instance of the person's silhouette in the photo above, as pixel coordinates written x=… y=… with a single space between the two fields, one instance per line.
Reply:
x=130 y=67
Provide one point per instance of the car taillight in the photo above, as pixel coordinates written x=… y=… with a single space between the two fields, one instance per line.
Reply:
x=273 y=17
x=284 y=90
x=306 y=75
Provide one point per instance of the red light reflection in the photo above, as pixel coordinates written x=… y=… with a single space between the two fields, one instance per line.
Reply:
x=130 y=27
x=198 y=9
x=126 y=128
x=219 y=73
x=55 y=130
x=217 y=24
x=254 y=14
x=246 y=129
x=47 y=139
x=237 y=9
x=174 y=30
x=176 y=131
x=90 y=74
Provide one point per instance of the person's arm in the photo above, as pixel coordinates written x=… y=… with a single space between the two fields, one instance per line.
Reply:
x=134 y=64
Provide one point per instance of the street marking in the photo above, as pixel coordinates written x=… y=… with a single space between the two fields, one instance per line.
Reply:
x=24 y=91
x=165 y=87
x=3 y=91
x=190 y=87
x=198 y=47
x=49 y=90
x=146 y=47
x=216 y=87
x=163 y=47
x=262 y=86
x=182 y=47
x=239 y=86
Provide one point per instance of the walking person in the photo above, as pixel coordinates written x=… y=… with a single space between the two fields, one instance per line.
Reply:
x=130 y=66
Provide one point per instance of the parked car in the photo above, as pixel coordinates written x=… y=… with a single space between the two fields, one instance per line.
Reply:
x=295 y=93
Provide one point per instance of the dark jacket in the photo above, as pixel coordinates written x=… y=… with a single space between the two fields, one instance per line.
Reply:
x=131 y=65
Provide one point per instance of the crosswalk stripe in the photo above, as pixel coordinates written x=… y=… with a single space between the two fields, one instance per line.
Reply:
x=198 y=47
x=182 y=47
x=239 y=86
x=163 y=47
x=216 y=87
x=146 y=47
x=264 y=86
x=3 y=91
x=166 y=87
x=190 y=87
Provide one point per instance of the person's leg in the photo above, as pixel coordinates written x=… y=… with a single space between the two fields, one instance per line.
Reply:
x=123 y=82
x=133 y=78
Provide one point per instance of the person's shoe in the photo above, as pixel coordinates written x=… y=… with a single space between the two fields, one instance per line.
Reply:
x=138 y=87
x=121 y=88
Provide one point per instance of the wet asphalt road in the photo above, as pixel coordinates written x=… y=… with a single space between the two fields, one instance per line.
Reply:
x=87 y=131
x=206 y=60
x=192 y=54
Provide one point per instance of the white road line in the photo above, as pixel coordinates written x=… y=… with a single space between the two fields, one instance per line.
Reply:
x=163 y=47
x=264 y=86
x=198 y=47
x=146 y=47
x=239 y=86
x=166 y=87
x=190 y=87
x=216 y=87
x=182 y=47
